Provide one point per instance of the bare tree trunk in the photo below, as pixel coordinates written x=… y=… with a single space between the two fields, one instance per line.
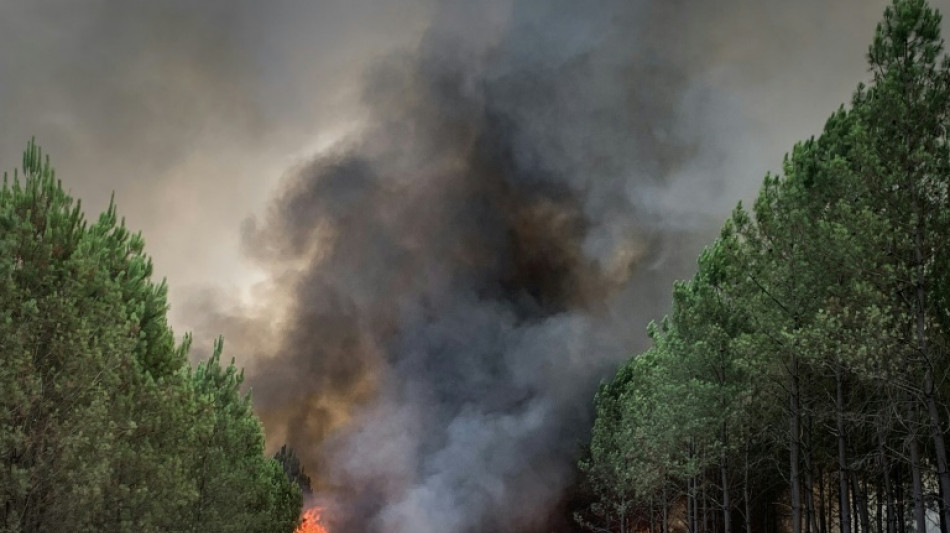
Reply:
x=724 y=473
x=794 y=432
x=810 y=519
x=860 y=503
x=697 y=506
x=745 y=490
x=691 y=499
x=899 y=496
x=940 y=450
x=855 y=491
x=689 y=505
x=822 y=508
x=919 y=517
x=843 y=504
x=652 y=515
x=936 y=429
x=666 y=506
x=879 y=507
x=888 y=492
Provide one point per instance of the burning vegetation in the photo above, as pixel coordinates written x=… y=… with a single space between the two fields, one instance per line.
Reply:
x=310 y=521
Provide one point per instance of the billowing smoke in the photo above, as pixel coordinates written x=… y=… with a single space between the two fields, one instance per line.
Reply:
x=455 y=280
x=460 y=274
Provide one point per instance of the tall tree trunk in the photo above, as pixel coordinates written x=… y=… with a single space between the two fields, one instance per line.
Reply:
x=691 y=499
x=724 y=474
x=689 y=505
x=940 y=450
x=843 y=503
x=919 y=517
x=888 y=493
x=943 y=524
x=861 y=503
x=623 y=520
x=822 y=508
x=899 y=497
x=745 y=490
x=697 y=506
x=666 y=507
x=936 y=429
x=879 y=490
x=652 y=515
x=855 y=504
x=794 y=432
x=810 y=519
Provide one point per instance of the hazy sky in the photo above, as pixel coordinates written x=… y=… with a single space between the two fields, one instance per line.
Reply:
x=192 y=111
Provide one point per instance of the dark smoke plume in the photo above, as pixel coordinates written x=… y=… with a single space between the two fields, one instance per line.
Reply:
x=455 y=280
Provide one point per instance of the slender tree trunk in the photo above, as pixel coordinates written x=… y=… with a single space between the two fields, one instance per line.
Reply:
x=888 y=493
x=936 y=429
x=861 y=503
x=834 y=502
x=843 y=504
x=830 y=505
x=691 y=499
x=943 y=525
x=652 y=515
x=745 y=490
x=822 y=508
x=810 y=519
x=810 y=525
x=940 y=450
x=794 y=432
x=697 y=506
x=899 y=496
x=855 y=504
x=919 y=517
x=666 y=507
x=879 y=490
x=724 y=473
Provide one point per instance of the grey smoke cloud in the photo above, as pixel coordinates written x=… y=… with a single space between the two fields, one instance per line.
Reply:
x=190 y=111
x=487 y=249
x=513 y=187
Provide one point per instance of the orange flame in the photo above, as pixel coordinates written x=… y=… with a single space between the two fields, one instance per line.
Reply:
x=310 y=521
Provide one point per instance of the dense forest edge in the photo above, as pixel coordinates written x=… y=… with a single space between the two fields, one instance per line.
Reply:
x=104 y=425
x=799 y=382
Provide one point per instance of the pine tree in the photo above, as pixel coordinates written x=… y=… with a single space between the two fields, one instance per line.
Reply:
x=817 y=327
x=103 y=426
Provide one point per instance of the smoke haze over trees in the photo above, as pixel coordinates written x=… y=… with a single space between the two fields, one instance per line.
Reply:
x=513 y=186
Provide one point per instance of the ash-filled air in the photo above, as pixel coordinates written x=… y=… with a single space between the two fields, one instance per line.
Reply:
x=449 y=286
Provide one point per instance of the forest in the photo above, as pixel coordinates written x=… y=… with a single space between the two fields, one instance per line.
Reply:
x=105 y=426
x=799 y=382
